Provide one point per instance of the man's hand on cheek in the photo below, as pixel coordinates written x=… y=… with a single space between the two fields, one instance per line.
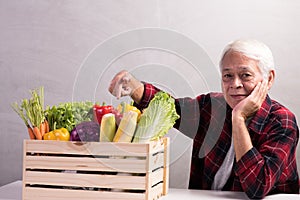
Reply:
x=247 y=107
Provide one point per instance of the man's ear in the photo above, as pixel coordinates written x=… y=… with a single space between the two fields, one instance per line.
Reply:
x=271 y=78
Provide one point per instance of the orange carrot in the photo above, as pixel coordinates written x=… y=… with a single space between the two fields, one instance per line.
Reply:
x=37 y=133
x=47 y=126
x=31 y=134
x=43 y=128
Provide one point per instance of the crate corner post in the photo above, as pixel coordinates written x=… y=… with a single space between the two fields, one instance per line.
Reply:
x=24 y=170
x=166 y=142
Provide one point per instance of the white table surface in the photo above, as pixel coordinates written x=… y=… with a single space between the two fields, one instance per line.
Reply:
x=13 y=191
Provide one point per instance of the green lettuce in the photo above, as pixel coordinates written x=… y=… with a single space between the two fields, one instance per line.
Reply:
x=68 y=115
x=157 y=119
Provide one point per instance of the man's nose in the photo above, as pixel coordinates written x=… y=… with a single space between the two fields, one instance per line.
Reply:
x=236 y=83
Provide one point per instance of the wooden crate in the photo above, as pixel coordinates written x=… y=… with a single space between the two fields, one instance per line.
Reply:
x=55 y=170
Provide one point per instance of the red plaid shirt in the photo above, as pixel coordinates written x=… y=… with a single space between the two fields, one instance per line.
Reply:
x=268 y=168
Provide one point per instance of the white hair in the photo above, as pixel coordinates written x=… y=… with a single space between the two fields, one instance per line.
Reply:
x=253 y=49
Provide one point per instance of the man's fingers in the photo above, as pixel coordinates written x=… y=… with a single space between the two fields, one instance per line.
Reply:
x=118 y=83
x=112 y=86
x=125 y=79
x=124 y=84
x=118 y=92
x=126 y=91
x=259 y=93
x=262 y=90
x=114 y=82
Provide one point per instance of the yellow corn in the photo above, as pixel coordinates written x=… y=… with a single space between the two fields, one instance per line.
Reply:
x=127 y=127
x=107 y=128
x=126 y=107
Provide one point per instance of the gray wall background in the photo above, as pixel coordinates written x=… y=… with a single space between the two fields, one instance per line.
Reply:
x=44 y=42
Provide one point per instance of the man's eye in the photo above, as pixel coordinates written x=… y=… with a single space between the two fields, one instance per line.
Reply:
x=227 y=77
x=246 y=76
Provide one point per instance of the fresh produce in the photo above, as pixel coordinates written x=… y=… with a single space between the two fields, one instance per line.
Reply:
x=107 y=128
x=68 y=115
x=30 y=132
x=156 y=119
x=125 y=107
x=37 y=133
x=127 y=127
x=87 y=131
x=118 y=116
x=88 y=121
x=99 y=111
x=31 y=112
x=57 y=134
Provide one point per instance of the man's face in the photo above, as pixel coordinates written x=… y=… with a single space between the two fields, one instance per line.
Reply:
x=239 y=77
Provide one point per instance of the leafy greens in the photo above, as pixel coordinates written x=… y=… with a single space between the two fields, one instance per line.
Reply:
x=68 y=115
x=157 y=119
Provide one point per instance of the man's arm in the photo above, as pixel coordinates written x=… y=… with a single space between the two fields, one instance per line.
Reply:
x=240 y=113
x=264 y=167
x=271 y=164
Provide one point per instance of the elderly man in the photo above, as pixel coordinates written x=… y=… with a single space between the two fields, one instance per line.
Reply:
x=254 y=137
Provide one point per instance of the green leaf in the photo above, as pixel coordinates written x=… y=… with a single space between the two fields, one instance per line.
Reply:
x=68 y=115
x=157 y=119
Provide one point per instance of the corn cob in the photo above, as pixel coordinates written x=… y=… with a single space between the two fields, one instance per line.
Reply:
x=127 y=127
x=107 y=128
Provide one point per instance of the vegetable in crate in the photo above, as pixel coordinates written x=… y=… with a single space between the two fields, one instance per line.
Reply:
x=100 y=111
x=127 y=127
x=107 y=128
x=87 y=131
x=118 y=116
x=125 y=107
x=57 y=134
x=31 y=112
x=68 y=115
x=156 y=119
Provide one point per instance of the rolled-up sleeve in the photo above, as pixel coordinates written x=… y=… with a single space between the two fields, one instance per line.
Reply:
x=265 y=167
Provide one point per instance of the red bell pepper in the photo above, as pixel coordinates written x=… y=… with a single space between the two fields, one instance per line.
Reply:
x=99 y=111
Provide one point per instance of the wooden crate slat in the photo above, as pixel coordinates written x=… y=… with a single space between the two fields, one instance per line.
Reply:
x=157 y=146
x=156 y=177
x=98 y=165
x=89 y=148
x=65 y=194
x=156 y=161
x=155 y=192
x=86 y=180
x=85 y=163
